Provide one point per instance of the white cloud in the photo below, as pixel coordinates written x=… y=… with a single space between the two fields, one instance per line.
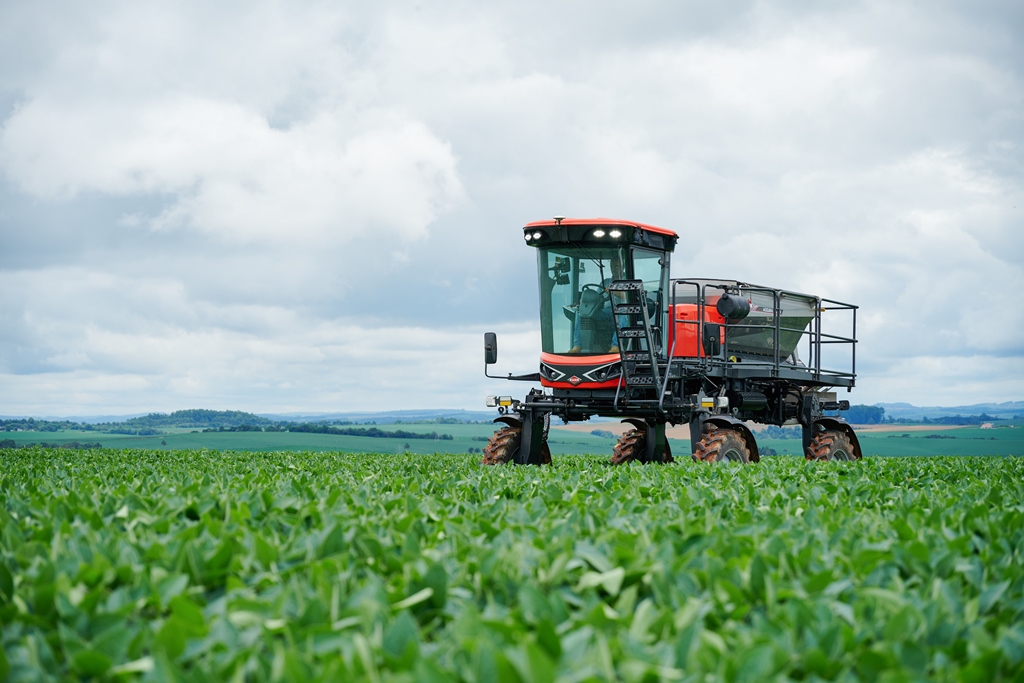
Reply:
x=261 y=357
x=306 y=190
x=927 y=380
x=232 y=174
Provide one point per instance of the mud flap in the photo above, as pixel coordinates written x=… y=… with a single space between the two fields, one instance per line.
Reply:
x=697 y=419
x=728 y=422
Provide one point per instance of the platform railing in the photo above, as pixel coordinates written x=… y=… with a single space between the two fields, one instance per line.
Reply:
x=813 y=332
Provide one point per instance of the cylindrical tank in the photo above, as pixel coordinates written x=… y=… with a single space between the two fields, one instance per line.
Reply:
x=747 y=401
x=733 y=307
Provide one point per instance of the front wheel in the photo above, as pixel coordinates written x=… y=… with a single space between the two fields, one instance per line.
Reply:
x=632 y=445
x=717 y=445
x=830 y=444
x=504 y=444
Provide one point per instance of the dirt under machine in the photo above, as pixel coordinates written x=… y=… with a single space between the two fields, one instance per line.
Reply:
x=621 y=339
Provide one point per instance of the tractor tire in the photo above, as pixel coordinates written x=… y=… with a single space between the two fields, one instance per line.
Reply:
x=718 y=445
x=632 y=445
x=503 y=446
x=830 y=444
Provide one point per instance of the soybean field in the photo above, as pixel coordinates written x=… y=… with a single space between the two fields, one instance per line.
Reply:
x=207 y=565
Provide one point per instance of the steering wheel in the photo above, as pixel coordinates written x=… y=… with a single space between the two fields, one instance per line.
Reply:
x=592 y=299
x=598 y=288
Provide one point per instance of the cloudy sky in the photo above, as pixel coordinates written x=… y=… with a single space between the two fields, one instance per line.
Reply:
x=315 y=206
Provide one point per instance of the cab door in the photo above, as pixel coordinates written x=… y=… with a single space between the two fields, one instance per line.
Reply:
x=652 y=267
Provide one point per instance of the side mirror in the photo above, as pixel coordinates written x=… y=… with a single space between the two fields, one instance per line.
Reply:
x=712 y=339
x=490 y=348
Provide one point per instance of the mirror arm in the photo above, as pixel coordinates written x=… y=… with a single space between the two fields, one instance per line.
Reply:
x=533 y=377
x=491 y=357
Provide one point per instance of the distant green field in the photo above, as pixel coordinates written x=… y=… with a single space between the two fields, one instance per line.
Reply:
x=963 y=441
x=562 y=443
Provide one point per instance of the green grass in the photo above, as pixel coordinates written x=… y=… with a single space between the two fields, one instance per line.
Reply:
x=217 y=566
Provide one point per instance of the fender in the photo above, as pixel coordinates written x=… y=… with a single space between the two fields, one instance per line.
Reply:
x=841 y=425
x=510 y=420
x=637 y=423
x=729 y=422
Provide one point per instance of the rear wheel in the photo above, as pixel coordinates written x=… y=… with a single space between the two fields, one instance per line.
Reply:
x=503 y=446
x=830 y=444
x=717 y=445
x=633 y=445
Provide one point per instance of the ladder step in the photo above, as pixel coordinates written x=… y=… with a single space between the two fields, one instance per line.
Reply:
x=632 y=333
x=644 y=368
x=640 y=380
x=626 y=286
x=628 y=309
x=637 y=356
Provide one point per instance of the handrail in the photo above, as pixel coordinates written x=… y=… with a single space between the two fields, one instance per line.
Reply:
x=814 y=332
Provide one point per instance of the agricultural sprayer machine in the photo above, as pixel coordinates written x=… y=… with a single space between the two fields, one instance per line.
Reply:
x=621 y=339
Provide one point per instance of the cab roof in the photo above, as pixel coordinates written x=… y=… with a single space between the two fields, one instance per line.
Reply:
x=602 y=221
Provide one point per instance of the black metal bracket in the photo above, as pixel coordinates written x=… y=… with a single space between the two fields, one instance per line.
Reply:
x=532 y=442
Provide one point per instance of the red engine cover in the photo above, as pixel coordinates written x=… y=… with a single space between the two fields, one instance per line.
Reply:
x=686 y=330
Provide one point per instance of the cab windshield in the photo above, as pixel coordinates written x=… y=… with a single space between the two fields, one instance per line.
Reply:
x=575 y=306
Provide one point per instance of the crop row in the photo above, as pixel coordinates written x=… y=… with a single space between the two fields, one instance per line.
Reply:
x=202 y=565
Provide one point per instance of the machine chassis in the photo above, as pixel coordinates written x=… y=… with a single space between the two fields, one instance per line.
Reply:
x=716 y=385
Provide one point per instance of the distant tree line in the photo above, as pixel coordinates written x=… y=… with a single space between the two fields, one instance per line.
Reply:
x=197 y=419
x=149 y=425
x=961 y=419
x=869 y=415
x=324 y=428
x=863 y=415
x=219 y=421
x=50 y=426
x=32 y=425
x=10 y=443
x=775 y=432
x=319 y=428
